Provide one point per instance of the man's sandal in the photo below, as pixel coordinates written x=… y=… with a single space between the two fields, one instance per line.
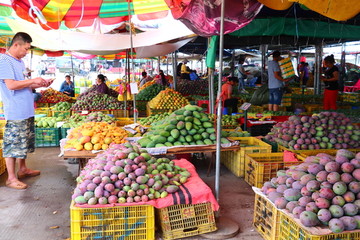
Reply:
x=16 y=184
x=30 y=173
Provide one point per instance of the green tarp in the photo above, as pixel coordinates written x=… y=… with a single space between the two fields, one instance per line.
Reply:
x=211 y=52
x=298 y=28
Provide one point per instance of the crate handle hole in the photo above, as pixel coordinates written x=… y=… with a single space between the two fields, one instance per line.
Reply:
x=190 y=229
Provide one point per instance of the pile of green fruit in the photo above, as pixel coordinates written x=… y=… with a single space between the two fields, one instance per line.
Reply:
x=150 y=92
x=278 y=113
x=153 y=118
x=185 y=126
x=48 y=122
x=96 y=101
x=235 y=134
x=99 y=117
x=62 y=106
x=227 y=120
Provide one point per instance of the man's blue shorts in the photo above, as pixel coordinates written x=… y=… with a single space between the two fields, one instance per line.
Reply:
x=275 y=96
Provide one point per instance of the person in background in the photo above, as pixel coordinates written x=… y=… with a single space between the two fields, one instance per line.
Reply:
x=67 y=87
x=276 y=82
x=184 y=72
x=330 y=77
x=101 y=86
x=242 y=75
x=193 y=75
x=162 y=79
x=17 y=96
x=145 y=78
x=36 y=95
x=226 y=94
x=304 y=74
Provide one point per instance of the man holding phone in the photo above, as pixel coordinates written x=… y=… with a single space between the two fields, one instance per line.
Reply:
x=17 y=96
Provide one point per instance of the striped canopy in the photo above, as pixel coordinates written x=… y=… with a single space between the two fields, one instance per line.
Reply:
x=82 y=13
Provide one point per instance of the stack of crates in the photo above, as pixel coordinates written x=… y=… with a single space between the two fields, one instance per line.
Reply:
x=152 y=111
x=351 y=97
x=291 y=229
x=63 y=114
x=119 y=222
x=185 y=220
x=260 y=167
x=266 y=217
x=47 y=137
x=286 y=100
x=44 y=111
x=120 y=113
x=235 y=160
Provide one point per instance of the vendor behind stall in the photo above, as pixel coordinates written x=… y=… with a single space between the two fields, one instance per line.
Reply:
x=101 y=86
x=226 y=94
x=67 y=87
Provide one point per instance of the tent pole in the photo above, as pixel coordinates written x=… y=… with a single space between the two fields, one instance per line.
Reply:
x=175 y=70
x=263 y=49
x=167 y=64
x=342 y=64
x=211 y=90
x=72 y=68
x=219 y=106
x=318 y=63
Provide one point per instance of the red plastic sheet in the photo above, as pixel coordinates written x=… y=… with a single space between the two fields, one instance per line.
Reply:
x=194 y=191
x=203 y=16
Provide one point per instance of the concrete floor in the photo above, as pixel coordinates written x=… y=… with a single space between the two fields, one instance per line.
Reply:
x=41 y=212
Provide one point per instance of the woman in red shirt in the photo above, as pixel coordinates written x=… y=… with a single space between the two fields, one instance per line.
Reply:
x=226 y=94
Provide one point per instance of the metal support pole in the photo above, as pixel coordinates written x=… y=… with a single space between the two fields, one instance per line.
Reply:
x=318 y=65
x=232 y=64
x=342 y=64
x=263 y=49
x=167 y=64
x=219 y=107
x=211 y=90
x=175 y=70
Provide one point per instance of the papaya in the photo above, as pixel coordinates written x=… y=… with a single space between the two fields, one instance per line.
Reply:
x=171 y=139
x=192 y=108
x=205 y=135
x=180 y=125
x=182 y=139
x=170 y=127
x=204 y=119
x=207 y=124
x=192 y=143
x=201 y=130
x=192 y=131
x=164 y=133
x=188 y=126
x=197 y=137
x=174 y=121
x=189 y=119
x=196 y=114
x=197 y=122
x=159 y=145
x=208 y=142
x=196 y=127
x=151 y=144
x=212 y=136
x=199 y=142
x=224 y=140
x=180 y=118
x=144 y=142
x=168 y=144
x=160 y=139
x=189 y=138
x=180 y=112
x=188 y=113
x=210 y=130
x=175 y=133
x=183 y=132
x=177 y=143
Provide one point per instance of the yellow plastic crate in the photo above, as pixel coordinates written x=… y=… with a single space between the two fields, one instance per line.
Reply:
x=292 y=229
x=120 y=113
x=119 y=222
x=124 y=121
x=235 y=160
x=305 y=153
x=44 y=110
x=266 y=217
x=185 y=220
x=65 y=114
x=2 y=128
x=2 y=162
x=260 y=167
x=42 y=105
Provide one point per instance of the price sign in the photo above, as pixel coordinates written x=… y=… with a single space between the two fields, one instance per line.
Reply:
x=245 y=106
x=134 y=88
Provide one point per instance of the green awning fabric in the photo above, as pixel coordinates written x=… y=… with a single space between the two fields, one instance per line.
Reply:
x=299 y=28
x=211 y=52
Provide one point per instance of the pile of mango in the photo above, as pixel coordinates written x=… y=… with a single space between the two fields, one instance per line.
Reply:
x=147 y=84
x=94 y=136
x=168 y=99
x=77 y=119
x=185 y=126
x=150 y=92
x=48 y=122
x=153 y=118
x=52 y=96
x=62 y=106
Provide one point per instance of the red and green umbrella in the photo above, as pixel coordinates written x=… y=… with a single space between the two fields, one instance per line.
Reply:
x=82 y=13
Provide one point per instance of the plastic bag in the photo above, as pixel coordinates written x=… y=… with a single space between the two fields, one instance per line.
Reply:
x=260 y=96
